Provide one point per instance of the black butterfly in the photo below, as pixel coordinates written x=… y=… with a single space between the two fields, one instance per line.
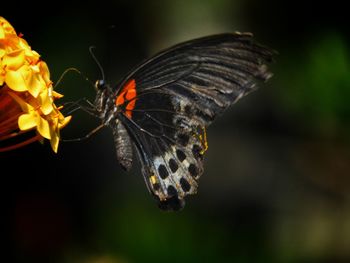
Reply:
x=163 y=106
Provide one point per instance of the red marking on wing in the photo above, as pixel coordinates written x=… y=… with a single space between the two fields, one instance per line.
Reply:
x=127 y=95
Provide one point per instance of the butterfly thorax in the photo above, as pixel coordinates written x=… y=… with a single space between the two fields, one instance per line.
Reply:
x=104 y=102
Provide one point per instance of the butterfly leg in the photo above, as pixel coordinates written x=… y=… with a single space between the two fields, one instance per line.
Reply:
x=87 y=136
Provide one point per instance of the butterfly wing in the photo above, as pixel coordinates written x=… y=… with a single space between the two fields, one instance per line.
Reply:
x=167 y=102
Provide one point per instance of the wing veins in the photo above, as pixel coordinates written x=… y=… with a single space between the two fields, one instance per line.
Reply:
x=184 y=74
x=161 y=123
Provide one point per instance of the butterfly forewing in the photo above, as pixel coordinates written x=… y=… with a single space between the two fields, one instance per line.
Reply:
x=167 y=102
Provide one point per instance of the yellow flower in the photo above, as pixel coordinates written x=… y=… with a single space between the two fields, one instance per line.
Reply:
x=26 y=92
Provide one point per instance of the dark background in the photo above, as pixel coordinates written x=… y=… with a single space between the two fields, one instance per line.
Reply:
x=276 y=182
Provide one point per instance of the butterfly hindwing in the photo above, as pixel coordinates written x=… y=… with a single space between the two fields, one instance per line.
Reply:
x=171 y=160
x=166 y=103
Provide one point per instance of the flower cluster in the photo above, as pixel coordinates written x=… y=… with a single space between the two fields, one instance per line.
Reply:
x=26 y=91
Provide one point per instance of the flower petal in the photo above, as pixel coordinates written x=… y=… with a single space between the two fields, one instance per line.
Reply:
x=14 y=60
x=15 y=81
x=2 y=52
x=35 y=85
x=44 y=128
x=45 y=73
x=54 y=142
x=46 y=102
x=56 y=95
x=27 y=121
x=55 y=135
x=65 y=121
x=8 y=29
x=31 y=54
x=2 y=33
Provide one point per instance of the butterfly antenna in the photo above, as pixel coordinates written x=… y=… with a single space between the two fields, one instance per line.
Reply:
x=97 y=62
x=70 y=70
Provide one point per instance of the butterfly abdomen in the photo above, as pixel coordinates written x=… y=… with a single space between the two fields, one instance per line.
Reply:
x=123 y=145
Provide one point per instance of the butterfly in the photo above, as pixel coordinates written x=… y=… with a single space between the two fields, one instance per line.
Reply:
x=162 y=108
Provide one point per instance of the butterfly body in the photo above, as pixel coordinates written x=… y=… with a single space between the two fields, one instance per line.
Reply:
x=108 y=111
x=162 y=108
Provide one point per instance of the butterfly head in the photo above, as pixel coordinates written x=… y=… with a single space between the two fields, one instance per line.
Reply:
x=104 y=100
x=100 y=84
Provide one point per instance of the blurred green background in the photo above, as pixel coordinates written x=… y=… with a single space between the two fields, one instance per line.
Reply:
x=277 y=173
